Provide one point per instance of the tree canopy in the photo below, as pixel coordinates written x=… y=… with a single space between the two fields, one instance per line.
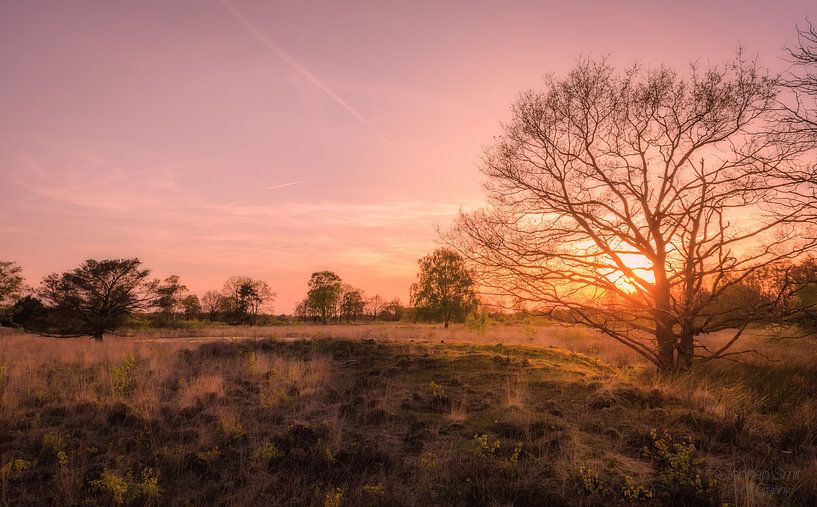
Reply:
x=98 y=296
x=324 y=293
x=633 y=201
x=11 y=283
x=445 y=287
x=244 y=297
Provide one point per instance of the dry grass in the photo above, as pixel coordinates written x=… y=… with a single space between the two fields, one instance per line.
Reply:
x=389 y=414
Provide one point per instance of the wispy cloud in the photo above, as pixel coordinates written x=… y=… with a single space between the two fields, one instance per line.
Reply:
x=386 y=213
x=291 y=183
x=300 y=68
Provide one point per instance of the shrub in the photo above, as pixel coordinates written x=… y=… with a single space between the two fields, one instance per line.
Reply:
x=124 y=488
x=682 y=474
x=590 y=482
x=333 y=498
x=374 y=490
x=267 y=453
x=479 y=322
x=484 y=445
x=437 y=390
x=634 y=492
x=15 y=469
x=114 y=486
x=123 y=376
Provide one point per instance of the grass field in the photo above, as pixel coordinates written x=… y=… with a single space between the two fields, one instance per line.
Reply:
x=398 y=414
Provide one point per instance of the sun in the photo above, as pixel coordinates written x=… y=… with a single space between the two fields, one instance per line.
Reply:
x=640 y=265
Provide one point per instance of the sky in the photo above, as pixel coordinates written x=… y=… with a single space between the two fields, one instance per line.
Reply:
x=273 y=139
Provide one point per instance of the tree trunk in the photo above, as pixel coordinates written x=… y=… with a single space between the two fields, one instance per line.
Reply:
x=666 y=349
x=686 y=348
x=664 y=334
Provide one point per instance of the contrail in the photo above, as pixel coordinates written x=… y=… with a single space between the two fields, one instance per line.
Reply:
x=299 y=68
x=296 y=182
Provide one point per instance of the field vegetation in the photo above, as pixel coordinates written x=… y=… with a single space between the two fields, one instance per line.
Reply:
x=400 y=414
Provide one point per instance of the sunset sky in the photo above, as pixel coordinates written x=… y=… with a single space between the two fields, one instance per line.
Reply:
x=276 y=138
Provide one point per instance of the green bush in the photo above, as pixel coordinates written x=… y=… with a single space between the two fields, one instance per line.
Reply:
x=123 y=376
x=682 y=474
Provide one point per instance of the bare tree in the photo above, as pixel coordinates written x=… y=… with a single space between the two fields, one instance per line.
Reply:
x=801 y=108
x=245 y=297
x=212 y=302
x=375 y=305
x=393 y=308
x=633 y=201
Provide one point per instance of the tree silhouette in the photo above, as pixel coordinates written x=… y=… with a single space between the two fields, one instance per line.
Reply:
x=11 y=284
x=633 y=201
x=244 y=297
x=212 y=302
x=375 y=305
x=97 y=297
x=444 y=287
x=324 y=293
x=351 y=304
x=169 y=296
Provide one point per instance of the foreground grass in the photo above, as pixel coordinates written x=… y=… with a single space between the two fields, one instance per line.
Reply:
x=369 y=422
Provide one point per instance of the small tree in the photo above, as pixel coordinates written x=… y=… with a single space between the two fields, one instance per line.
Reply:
x=302 y=310
x=98 y=296
x=212 y=302
x=169 y=296
x=191 y=306
x=324 y=293
x=444 y=287
x=375 y=305
x=393 y=309
x=11 y=285
x=352 y=304
x=244 y=297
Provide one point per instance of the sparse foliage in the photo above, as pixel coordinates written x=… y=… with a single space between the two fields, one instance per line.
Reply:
x=393 y=309
x=212 y=303
x=244 y=298
x=169 y=295
x=375 y=305
x=633 y=201
x=11 y=283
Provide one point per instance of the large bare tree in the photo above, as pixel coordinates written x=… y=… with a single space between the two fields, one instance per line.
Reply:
x=636 y=201
x=801 y=104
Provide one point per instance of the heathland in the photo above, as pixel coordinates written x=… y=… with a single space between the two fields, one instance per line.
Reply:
x=400 y=414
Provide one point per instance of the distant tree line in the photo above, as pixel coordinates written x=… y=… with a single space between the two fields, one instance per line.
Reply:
x=101 y=297
x=329 y=299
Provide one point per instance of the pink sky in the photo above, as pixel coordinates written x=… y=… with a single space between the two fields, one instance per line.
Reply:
x=273 y=139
